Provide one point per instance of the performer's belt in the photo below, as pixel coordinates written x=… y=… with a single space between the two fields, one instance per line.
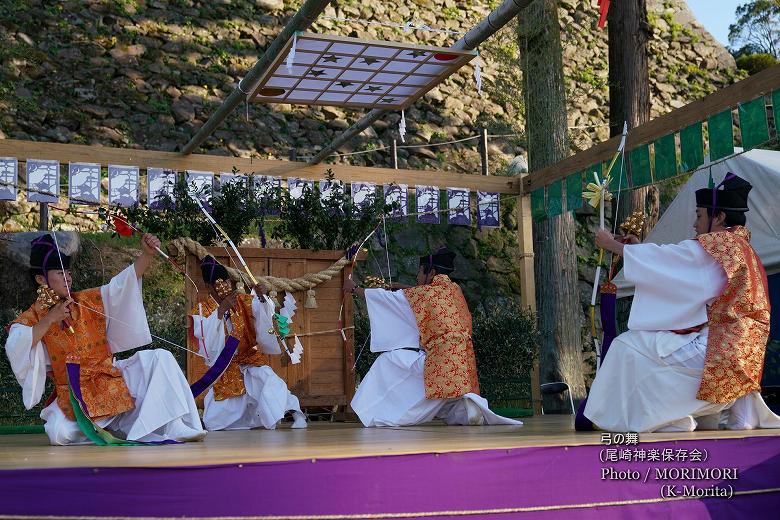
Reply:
x=690 y=330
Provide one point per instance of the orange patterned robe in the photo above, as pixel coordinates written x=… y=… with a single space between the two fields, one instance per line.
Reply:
x=444 y=321
x=231 y=383
x=738 y=319
x=103 y=386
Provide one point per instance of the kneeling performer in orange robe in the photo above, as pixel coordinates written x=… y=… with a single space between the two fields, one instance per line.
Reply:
x=143 y=398
x=248 y=394
x=427 y=369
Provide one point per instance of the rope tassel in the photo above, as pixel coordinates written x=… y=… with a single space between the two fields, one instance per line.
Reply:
x=311 y=301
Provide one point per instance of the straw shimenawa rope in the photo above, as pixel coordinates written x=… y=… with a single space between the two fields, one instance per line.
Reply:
x=181 y=246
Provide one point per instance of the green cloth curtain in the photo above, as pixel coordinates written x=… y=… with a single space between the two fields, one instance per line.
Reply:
x=555 y=198
x=665 y=157
x=574 y=191
x=691 y=147
x=721 y=130
x=537 y=205
x=639 y=158
x=753 y=124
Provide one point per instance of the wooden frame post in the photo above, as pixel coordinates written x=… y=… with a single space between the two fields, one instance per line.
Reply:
x=525 y=241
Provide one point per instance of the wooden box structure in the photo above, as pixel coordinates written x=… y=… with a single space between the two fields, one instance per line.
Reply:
x=325 y=377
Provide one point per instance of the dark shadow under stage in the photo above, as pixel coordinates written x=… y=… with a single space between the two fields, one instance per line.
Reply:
x=338 y=470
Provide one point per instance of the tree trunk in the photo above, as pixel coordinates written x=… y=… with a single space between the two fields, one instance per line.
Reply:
x=555 y=262
x=629 y=93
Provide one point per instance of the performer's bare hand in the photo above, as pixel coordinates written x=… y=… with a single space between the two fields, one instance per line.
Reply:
x=260 y=289
x=60 y=311
x=628 y=239
x=349 y=285
x=227 y=303
x=604 y=239
x=149 y=244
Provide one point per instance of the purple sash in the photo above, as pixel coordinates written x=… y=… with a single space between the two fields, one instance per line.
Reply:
x=217 y=369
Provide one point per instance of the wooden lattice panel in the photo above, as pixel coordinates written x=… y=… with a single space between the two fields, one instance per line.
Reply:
x=356 y=73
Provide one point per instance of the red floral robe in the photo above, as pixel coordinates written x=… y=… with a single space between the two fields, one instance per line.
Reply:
x=444 y=321
x=738 y=319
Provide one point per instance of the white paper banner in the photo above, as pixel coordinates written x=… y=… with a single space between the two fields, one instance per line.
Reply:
x=122 y=185
x=9 y=170
x=296 y=187
x=428 y=204
x=159 y=182
x=43 y=176
x=397 y=193
x=199 y=185
x=327 y=189
x=84 y=183
x=488 y=209
x=231 y=178
x=458 y=205
x=363 y=193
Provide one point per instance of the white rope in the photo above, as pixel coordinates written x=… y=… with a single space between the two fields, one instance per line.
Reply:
x=387 y=249
x=171 y=343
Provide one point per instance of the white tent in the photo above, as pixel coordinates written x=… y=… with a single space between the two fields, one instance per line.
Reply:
x=761 y=168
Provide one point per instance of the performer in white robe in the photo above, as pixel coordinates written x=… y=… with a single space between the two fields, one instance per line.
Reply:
x=148 y=388
x=656 y=376
x=397 y=390
x=249 y=394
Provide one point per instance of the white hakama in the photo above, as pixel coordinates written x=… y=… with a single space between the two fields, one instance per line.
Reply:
x=164 y=407
x=267 y=397
x=393 y=391
x=650 y=376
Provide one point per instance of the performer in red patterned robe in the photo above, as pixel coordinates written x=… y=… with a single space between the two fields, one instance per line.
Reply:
x=428 y=369
x=698 y=328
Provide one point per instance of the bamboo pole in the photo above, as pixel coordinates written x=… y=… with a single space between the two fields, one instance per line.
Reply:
x=305 y=16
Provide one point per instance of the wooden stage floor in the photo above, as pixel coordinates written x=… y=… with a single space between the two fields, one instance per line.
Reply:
x=322 y=440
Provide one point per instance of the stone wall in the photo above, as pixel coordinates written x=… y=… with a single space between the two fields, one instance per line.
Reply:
x=147 y=74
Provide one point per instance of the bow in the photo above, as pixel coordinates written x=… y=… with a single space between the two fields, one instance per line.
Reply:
x=596 y=194
x=227 y=238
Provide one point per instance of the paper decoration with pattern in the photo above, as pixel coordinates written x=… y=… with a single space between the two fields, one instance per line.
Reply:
x=397 y=193
x=231 y=178
x=43 y=176
x=427 y=204
x=458 y=204
x=122 y=185
x=200 y=184
x=9 y=171
x=327 y=189
x=488 y=209
x=296 y=187
x=363 y=194
x=267 y=188
x=84 y=183
x=159 y=183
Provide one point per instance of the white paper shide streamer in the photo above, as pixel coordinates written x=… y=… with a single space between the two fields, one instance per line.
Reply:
x=291 y=54
x=297 y=352
x=402 y=127
x=478 y=73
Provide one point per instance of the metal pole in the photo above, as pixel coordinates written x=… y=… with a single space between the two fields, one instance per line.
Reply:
x=293 y=154
x=489 y=25
x=483 y=149
x=43 y=225
x=395 y=154
x=305 y=16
